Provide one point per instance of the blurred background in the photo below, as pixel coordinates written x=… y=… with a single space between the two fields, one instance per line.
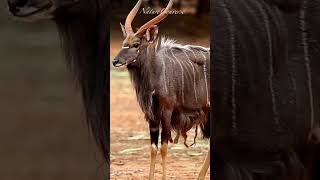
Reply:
x=43 y=132
x=129 y=133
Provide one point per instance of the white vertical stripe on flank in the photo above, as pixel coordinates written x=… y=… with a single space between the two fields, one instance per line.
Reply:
x=205 y=76
x=164 y=74
x=174 y=62
x=195 y=57
x=182 y=76
x=233 y=60
x=193 y=53
x=194 y=76
x=305 y=44
x=271 y=71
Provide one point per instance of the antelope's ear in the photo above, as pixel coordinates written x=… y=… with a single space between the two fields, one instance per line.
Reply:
x=123 y=30
x=152 y=33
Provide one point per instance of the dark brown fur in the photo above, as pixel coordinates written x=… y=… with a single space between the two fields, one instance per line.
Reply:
x=155 y=102
x=265 y=89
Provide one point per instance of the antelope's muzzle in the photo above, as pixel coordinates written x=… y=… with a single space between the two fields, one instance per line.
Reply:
x=115 y=62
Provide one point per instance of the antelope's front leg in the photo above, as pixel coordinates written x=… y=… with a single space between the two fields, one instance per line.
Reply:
x=164 y=152
x=204 y=167
x=165 y=136
x=154 y=136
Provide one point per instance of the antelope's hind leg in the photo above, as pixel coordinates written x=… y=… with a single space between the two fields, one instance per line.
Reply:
x=154 y=136
x=204 y=167
x=176 y=139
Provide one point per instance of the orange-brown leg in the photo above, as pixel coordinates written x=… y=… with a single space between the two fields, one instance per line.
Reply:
x=164 y=152
x=204 y=167
x=153 y=153
x=165 y=136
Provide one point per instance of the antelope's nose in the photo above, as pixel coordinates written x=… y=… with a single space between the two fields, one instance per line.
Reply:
x=14 y=5
x=115 y=62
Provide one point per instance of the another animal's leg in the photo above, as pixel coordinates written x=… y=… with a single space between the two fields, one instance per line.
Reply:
x=206 y=133
x=204 y=167
x=154 y=136
x=165 y=135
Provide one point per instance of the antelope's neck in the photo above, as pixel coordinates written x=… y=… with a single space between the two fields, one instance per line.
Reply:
x=142 y=79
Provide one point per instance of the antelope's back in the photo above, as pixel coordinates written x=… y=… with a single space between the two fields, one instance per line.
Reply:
x=184 y=73
x=265 y=73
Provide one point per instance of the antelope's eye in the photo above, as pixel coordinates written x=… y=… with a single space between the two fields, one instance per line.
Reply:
x=136 y=45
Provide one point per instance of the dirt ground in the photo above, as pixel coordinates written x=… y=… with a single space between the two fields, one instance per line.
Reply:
x=130 y=141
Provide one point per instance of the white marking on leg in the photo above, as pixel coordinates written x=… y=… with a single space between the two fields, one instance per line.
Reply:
x=154 y=129
x=153 y=153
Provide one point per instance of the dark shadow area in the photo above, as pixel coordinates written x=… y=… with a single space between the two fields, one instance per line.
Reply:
x=43 y=131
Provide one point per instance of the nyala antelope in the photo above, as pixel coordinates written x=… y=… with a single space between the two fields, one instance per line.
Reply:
x=171 y=83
